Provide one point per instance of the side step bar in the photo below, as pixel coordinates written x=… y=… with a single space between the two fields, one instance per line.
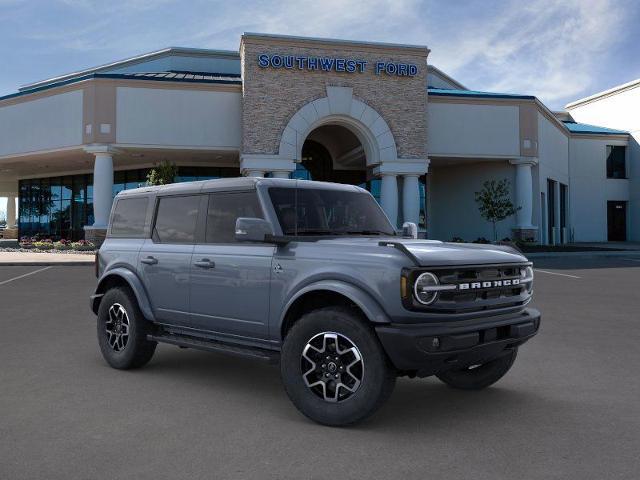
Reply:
x=210 y=345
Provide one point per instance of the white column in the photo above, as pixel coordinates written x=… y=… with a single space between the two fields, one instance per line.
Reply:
x=280 y=174
x=524 y=193
x=411 y=198
x=389 y=197
x=102 y=188
x=11 y=212
x=254 y=173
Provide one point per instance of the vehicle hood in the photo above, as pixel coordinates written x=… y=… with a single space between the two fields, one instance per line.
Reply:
x=429 y=253
x=436 y=253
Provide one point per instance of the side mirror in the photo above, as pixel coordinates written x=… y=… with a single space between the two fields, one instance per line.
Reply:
x=409 y=230
x=252 y=229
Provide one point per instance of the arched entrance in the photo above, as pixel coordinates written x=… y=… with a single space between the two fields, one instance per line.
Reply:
x=332 y=153
x=339 y=138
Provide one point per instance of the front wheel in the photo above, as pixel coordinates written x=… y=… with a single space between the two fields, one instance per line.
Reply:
x=477 y=377
x=334 y=368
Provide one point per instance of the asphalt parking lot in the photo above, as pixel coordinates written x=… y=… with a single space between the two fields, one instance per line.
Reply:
x=568 y=409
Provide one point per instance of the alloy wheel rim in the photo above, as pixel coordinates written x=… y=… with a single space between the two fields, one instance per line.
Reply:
x=332 y=366
x=117 y=327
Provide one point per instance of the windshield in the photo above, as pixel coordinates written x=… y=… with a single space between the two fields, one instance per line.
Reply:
x=328 y=212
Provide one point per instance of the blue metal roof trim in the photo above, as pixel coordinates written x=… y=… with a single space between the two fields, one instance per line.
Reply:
x=585 y=128
x=226 y=80
x=444 y=92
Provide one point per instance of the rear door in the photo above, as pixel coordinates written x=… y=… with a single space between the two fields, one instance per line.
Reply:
x=165 y=259
x=230 y=280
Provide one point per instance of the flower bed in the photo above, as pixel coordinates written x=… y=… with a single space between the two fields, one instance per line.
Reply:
x=36 y=244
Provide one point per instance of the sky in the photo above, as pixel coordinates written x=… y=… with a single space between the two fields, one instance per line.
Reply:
x=557 y=50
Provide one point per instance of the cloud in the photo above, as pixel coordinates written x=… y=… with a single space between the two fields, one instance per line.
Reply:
x=547 y=48
x=557 y=50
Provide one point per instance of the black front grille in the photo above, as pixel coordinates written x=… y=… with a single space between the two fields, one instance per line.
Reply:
x=473 y=299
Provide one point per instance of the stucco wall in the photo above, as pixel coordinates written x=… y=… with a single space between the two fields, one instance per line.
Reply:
x=553 y=163
x=193 y=118
x=451 y=196
x=271 y=96
x=43 y=124
x=620 y=111
x=473 y=129
x=590 y=190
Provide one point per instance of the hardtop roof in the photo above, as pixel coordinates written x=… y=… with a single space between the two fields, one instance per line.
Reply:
x=236 y=183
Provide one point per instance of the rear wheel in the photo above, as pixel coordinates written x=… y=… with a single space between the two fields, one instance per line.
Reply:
x=477 y=377
x=122 y=331
x=334 y=368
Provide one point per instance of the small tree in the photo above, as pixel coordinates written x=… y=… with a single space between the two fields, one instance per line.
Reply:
x=494 y=203
x=162 y=174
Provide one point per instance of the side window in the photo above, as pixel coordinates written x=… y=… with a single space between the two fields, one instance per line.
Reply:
x=176 y=219
x=224 y=209
x=128 y=217
x=616 y=167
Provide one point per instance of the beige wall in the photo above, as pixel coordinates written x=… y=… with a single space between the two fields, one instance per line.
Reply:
x=272 y=96
x=45 y=123
x=172 y=117
x=473 y=129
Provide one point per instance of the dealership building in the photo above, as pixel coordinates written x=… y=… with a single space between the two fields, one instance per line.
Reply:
x=370 y=114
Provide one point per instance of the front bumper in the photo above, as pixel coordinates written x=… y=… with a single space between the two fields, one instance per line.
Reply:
x=426 y=349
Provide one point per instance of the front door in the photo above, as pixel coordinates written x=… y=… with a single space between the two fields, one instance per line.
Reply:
x=165 y=259
x=617 y=221
x=230 y=281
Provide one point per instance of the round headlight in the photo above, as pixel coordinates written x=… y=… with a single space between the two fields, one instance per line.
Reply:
x=526 y=277
x=526 y=274
x=422 y=288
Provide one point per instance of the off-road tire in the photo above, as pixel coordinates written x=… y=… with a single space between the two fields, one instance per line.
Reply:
x=378 y=375
x=137 y=350
x=481 y=376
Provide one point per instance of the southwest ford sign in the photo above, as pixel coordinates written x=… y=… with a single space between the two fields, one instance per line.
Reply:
x=334 y=64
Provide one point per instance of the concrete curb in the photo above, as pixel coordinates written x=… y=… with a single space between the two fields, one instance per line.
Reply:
x=46 y=264
x=617 y=253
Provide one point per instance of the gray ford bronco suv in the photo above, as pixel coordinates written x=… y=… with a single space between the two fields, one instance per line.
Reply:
x=312 y=276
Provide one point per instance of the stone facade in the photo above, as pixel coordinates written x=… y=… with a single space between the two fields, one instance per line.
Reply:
x=272 y=96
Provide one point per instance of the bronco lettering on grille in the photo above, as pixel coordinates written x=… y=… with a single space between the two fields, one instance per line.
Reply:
x=507 y=282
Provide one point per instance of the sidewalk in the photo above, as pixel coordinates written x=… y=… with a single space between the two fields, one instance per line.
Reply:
x=45 y=259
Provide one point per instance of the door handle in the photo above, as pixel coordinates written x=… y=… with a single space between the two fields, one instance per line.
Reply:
x=205 y=263
x=149 y=260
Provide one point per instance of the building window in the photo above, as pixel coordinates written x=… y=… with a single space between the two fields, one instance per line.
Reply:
x=59 y=207
x=616 y=161
x=564 y=199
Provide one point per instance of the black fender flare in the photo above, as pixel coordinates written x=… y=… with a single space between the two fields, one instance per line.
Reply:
x=134 y=283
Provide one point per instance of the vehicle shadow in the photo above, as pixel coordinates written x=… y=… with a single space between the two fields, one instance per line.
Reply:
x=415 y=403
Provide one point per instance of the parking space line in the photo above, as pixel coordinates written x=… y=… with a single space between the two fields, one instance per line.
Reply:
x=555 y=273
x=25 y=275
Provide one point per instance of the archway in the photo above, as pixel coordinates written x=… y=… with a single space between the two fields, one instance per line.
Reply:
x=332 y=153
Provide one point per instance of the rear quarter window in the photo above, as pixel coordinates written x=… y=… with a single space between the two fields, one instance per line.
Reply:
x=129 y=216
x=176 y=219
